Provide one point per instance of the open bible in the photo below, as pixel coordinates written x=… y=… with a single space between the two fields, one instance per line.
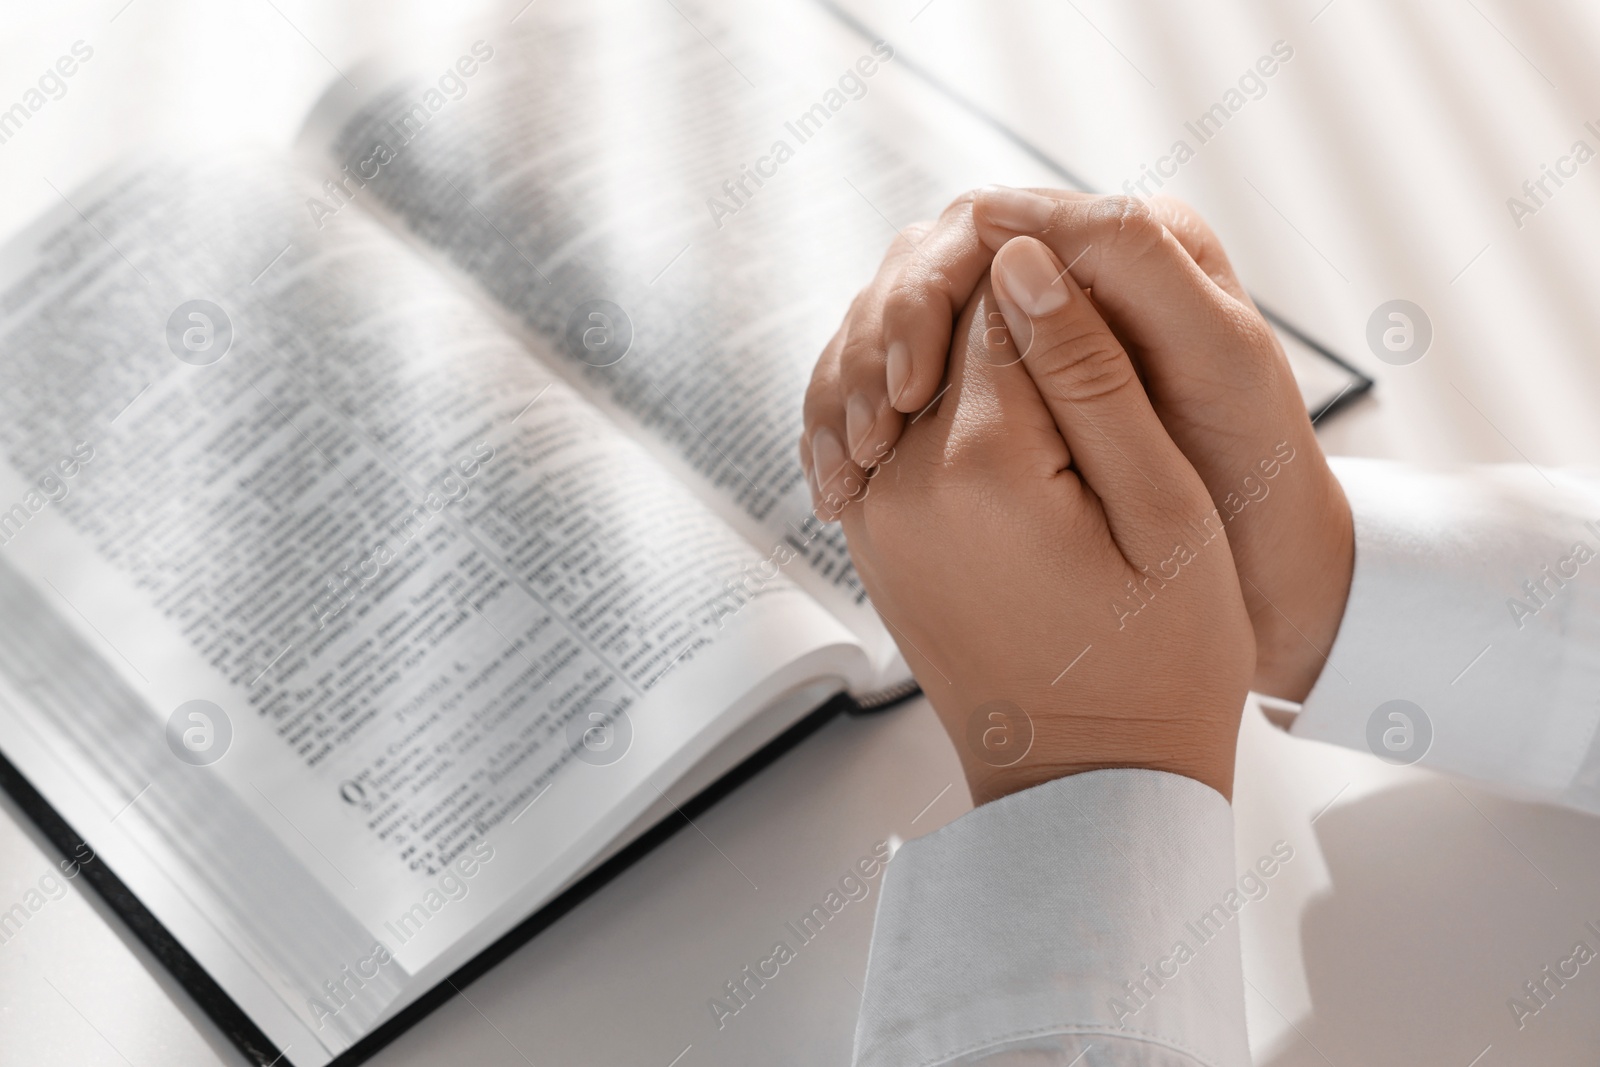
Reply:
x=395 y=528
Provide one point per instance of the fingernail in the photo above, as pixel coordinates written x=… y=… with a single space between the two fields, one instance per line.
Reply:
x=827 y=456
x=808 y=467
x=858 y=420
x=1030 y=277
x=899 y=370
x=1015 y=209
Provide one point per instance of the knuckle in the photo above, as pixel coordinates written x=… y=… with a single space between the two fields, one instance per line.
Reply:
x=938 y=280
x=925 y=286
x=1086 y=364
x=961 y=203
x=915 y=293
x=1261 y=363
x=822 y=393
x=866 y=307
x=906 y=240
x=859 y=354
x=974 y=444
x=1178 y=210
x=812 y=412
x=828 y=359
x=1192 y=231
x=864 y=299
x=1128 y=223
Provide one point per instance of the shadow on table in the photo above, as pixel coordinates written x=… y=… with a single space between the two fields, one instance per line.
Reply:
x=1437 y=916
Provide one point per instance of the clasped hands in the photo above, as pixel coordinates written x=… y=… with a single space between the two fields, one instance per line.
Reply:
x=1079 y=482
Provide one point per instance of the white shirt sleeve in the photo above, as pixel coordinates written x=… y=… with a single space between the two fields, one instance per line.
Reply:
x=1476 y=602
x=1091 y=921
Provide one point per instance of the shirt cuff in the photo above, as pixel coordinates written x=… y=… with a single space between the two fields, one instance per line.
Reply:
x=1096 y=910
x=1474 y=615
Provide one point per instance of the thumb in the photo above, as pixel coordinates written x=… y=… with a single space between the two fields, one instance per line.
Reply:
x=1118 y=445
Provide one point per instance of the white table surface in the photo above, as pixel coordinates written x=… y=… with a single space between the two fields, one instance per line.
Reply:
x=1376 y=166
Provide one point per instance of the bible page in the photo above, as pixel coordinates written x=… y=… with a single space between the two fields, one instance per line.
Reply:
x=336 y=623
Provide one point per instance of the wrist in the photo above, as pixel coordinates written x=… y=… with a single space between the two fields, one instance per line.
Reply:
x=1294 y=636
x=1201 y=750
